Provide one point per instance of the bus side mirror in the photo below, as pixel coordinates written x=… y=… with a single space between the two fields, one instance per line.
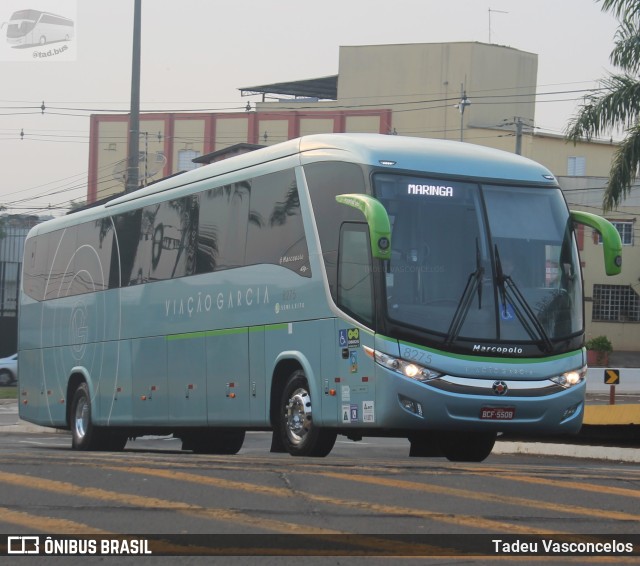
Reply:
x=377 y=219
x=611 y=242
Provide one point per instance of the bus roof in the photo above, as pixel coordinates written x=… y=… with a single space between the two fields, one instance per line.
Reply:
x=438 y=157
x=34 y=15
x=432 y=156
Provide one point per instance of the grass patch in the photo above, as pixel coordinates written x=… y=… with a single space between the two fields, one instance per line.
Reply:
x=9 y=392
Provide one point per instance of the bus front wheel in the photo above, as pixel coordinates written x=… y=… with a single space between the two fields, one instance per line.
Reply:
x=466 y=446
x=299 y=435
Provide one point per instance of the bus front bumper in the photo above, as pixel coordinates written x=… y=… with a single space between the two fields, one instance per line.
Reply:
x=509 y=406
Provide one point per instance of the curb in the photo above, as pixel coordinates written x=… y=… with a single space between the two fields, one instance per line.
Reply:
x=630 y=455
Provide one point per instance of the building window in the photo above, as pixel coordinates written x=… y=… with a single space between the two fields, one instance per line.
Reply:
x=185 y=159
x=576 y=166
x=625 y=230
x=615 y=303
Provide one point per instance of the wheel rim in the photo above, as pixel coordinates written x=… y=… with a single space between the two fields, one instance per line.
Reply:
x=5 y=378
x=81 y=418
x=298 y=416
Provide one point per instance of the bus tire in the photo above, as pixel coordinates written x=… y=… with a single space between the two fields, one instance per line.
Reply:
x=299 y=435
x=214 y=441
x=466 y=446
x=84 y=434
x=424 y=445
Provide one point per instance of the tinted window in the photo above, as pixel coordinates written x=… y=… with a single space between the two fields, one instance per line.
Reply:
x=275 y=230
x=36 y=270
x=159 y=241
x=173 y=227
x=222 y=227
x=62 y=248
x=355 y=283
x=326 y=181
x=128 y=234
x=92 y=258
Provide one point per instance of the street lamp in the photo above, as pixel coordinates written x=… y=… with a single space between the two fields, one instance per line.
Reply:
x=464 y=102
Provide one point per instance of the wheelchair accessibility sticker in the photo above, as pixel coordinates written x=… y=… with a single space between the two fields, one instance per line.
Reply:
x=506 y=312
x=349 y=338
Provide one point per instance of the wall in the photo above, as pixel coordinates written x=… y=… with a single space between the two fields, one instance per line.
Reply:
x=585 y=193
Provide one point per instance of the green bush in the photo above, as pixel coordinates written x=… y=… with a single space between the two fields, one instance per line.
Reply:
x=599 y=344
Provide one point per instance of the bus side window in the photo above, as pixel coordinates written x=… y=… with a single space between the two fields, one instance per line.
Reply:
x=222 y=227
x=275 y=232
x=355 y=281
x=326 y=180
x=63 y=244
x=36 y=266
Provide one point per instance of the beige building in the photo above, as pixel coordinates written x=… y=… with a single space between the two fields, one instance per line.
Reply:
x=413 y=90
x=612 y=304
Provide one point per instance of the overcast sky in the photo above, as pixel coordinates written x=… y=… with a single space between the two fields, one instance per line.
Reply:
x=197 y=53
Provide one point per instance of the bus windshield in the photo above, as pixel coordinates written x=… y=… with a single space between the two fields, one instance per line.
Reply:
x=481 y=263
x=22 y=23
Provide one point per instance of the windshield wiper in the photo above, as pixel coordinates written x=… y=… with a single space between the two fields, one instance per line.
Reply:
x=474 y=283
x=511 y=295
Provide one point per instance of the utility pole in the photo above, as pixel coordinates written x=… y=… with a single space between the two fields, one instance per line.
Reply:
x=519 y=126
x=464 y=102
x=133 y=158
x=518 y=122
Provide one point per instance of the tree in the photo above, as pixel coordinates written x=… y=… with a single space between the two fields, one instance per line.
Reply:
x=616 y=104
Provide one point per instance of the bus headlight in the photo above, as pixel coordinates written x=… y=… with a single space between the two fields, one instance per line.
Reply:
x=403 y=367
x=571 y=378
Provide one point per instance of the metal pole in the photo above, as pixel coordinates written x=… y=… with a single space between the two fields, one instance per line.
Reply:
x=518 y=136
x=134 y=115
x=464 y=102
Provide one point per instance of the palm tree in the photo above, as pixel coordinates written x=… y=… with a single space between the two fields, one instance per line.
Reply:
x=616 y=104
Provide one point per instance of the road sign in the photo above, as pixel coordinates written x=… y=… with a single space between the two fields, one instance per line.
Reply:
x=612 y=376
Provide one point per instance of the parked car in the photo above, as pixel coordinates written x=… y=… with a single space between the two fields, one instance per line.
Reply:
x=9 y=370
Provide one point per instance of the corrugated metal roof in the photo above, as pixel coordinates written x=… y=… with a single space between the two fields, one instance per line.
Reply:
x=323 y=87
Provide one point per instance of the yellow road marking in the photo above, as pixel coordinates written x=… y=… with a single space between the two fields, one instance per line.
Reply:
x=611 y=490
x=459 y=520
x=47 y=524
x=492 y=497
x=129 y=499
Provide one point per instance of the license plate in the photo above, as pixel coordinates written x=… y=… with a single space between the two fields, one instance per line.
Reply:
x=497 y=413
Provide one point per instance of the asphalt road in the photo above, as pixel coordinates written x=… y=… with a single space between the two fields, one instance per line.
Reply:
x=259 y=502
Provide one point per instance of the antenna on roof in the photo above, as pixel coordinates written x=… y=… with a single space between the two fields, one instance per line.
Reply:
x=496 y=12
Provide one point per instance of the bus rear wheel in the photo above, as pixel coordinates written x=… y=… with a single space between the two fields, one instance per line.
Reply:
x=466 y=446
x=84 y=434
x=299 y=435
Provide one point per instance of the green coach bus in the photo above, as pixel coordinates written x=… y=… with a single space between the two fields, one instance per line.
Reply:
x=358 y=285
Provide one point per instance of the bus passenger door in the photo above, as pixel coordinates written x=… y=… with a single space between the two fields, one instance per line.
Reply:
x=356 y=389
